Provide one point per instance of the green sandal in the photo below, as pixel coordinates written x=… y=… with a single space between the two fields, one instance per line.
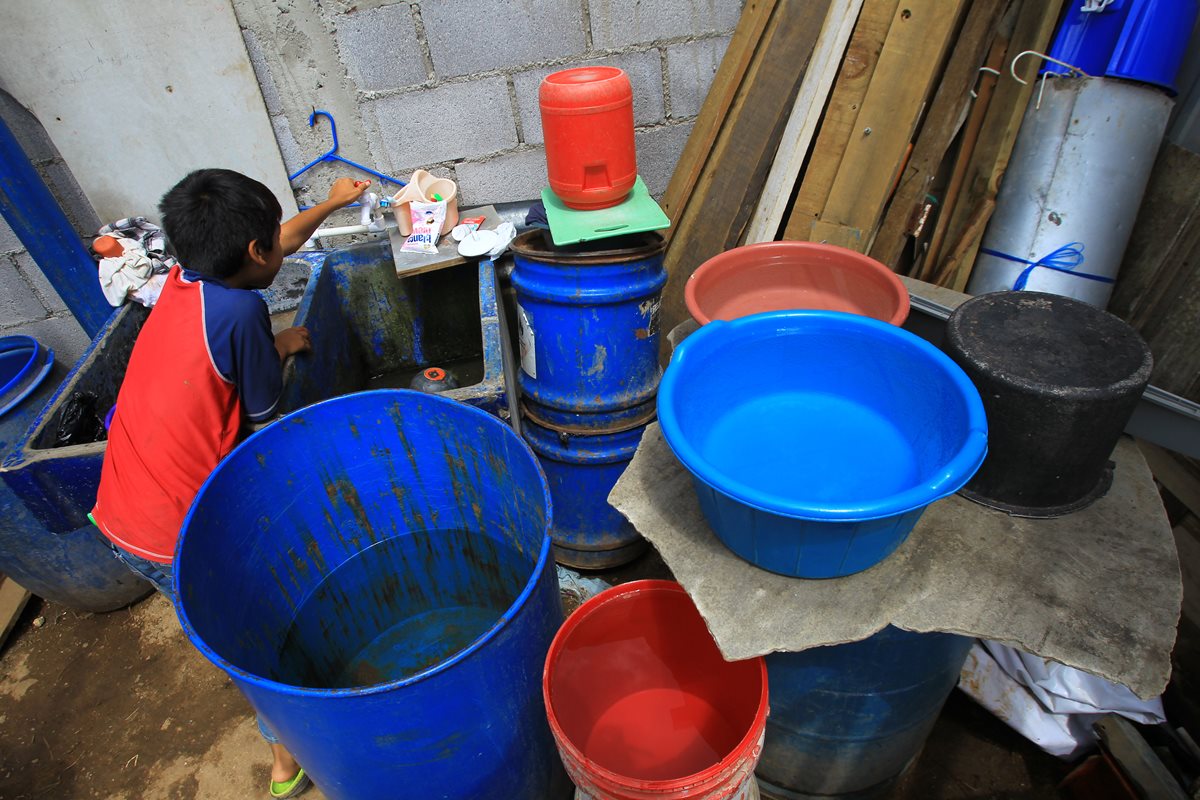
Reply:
x=290 y=788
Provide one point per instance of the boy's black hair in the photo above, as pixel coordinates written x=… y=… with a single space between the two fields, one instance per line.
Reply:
x=211 y=217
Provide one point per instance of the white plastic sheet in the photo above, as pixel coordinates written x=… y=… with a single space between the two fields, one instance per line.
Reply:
x=1048 y=703
x=582 y=588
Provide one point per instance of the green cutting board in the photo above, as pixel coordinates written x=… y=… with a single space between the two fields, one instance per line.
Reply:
x=637 y=213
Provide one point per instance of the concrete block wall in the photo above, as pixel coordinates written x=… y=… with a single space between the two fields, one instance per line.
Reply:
x=451 y=85
x=445 y=85
x=28 y=303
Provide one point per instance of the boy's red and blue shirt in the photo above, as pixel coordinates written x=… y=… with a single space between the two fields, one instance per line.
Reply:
x=204 y=363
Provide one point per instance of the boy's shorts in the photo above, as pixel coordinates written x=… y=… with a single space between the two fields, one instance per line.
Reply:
x=161 y=575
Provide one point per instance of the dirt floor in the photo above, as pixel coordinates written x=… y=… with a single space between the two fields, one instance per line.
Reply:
x=120 y=706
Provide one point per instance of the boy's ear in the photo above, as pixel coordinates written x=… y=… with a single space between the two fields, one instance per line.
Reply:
x=255 y=253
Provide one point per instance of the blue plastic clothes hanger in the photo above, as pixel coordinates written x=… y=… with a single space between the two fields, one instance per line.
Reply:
x=333 y=156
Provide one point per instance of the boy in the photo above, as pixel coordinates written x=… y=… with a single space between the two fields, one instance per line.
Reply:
x=204 y=364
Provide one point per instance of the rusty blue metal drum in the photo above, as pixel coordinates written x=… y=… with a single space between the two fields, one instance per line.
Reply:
x=847 y=720
x=588 y=324
x=581 y=469
x=374 y=573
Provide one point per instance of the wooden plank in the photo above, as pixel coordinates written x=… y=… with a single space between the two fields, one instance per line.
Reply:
x=1096 y=778
x=1169 y=206
x=1136 y=760
x=1188 y=545
x=908 y=64
x=688 y=221
x=797 y=136
x=832 y=233
x=840 y=115
x=972 y=50
x=410 y=264
x=13 y=598
x=713 y=113
x=732 y=179
x=926 y=264
x=1158 y=287
x=976 y=224
x=966 y=150
x=1177 y=474
x=1034 y=27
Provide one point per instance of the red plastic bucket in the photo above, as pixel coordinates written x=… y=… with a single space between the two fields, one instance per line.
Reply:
x=643 y=706
x=788 y=276
x=587 y=124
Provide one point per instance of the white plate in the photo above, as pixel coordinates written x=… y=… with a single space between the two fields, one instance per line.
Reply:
x=478 y=243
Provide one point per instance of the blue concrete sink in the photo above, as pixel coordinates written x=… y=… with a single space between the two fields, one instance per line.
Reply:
x=370 y=329
x=373 y=330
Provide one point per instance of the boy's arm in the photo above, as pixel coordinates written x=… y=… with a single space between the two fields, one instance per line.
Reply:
x=288 y=342
x=299 y=229
x=292 y=340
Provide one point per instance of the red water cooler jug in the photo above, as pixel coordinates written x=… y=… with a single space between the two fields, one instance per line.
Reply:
x=587 y=123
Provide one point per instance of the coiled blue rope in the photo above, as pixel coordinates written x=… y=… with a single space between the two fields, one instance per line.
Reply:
x=1064 y=259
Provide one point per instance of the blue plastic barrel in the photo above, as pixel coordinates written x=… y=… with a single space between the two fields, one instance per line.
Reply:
x=588 y=320
x=374 y=573
x=1086 y=39
x=581 y=470
x=1153 y=42
x=1138 y=40
x=850 y=718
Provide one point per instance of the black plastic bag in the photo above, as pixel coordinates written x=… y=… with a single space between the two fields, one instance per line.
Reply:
x=80 y=424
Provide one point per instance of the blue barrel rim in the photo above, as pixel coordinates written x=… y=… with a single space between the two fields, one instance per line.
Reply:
x=622 y=444
x=544 y=558
x=26 y=379
x=652 y=243
x=949 y=479
x=15 y=343
x=643 y=416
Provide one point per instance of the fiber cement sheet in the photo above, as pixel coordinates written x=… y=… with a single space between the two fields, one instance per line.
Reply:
x=136 y=94
x=1098 y=590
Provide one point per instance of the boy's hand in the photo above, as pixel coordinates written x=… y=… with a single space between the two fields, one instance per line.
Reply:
x=346 y=190
x=297 y=230
x=290 y=341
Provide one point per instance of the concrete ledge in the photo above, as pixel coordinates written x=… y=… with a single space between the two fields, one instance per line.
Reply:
x=1098 y=590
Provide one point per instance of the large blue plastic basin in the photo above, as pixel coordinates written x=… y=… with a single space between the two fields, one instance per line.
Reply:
x=817 y=438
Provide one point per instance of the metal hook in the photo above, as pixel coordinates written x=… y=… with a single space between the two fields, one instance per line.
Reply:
x=1012 y=68
x=988 y=70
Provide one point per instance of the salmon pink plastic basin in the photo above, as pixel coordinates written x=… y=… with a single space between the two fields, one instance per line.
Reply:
x=817 y=438
x=642 y=705
x=782 y=276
